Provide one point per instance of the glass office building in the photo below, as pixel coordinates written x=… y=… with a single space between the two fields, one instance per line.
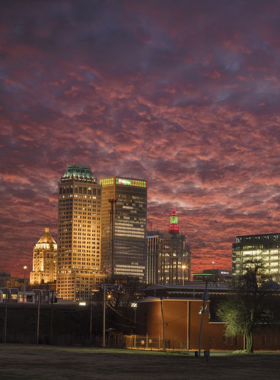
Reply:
x=123 y=223
x=265 y=247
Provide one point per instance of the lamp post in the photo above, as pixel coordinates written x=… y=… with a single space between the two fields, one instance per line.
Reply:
x=107 y=288
x=38 y=318
x=162 y=318
x=105 y=296
x=90 y=321
x=112 y=202
x=6 y=316
x=184 y=267
x=52 y=291
x=213 y=263
x=104 y=317
x=205 y=298
x=134 y=306
x=24 y=283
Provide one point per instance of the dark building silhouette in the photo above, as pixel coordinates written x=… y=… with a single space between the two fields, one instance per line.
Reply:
x=168 y=256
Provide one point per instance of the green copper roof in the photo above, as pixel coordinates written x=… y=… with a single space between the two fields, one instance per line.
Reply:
x=78 y=171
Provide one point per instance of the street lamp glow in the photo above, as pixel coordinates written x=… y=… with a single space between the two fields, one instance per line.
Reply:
x=24 y=283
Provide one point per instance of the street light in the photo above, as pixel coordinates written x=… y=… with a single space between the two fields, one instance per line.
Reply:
x=213 y=263
x=24 y=283
x=203 y=310
x=6 y=314
x=134 y=306
x=162 y=318
x=108 y=288
x=104 y=316
x=184 y=267
x=38 y=317
x=90 y=321
x=112 y=202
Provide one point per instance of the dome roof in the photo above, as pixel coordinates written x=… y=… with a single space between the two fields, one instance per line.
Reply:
x=46 y=237
x=78 y=171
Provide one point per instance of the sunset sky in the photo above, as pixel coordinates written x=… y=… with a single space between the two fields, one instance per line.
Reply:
x=183 y=93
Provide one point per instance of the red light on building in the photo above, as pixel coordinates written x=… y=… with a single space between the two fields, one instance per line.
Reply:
x=174 y=226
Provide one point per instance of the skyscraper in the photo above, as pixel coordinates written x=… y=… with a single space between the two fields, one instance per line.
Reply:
x=168 y=255
x=44 y=260
x=79 y=234
x=124 y=215
x=264 y=247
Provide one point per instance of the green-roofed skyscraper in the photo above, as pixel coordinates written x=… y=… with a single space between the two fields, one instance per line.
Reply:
x=79 y=234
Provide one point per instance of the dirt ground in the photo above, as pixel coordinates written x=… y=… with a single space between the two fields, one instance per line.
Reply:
x=57 y=363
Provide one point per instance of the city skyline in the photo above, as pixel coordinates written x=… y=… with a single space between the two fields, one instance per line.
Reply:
x=185 y=97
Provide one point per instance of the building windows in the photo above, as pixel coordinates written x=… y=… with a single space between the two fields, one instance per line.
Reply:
x=83 y=204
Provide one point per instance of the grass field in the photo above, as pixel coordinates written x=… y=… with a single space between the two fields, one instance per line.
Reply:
x=54 y=363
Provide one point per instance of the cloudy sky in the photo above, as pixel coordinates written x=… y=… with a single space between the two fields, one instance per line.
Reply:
x=184 y=93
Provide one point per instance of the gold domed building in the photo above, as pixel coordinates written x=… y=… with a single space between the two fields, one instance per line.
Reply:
x=44 y=260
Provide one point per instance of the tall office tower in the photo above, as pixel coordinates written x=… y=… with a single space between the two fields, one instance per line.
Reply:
x=79 y=234
x=155 y=249
x=265 y=247
x=168 y=256
x=44 y=260
x=124 y=215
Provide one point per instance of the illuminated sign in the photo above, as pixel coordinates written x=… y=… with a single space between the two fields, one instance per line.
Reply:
x=123 y=181
x=224 y=272
x=131 y=182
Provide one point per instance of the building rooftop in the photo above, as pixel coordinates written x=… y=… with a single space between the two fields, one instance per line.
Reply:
x=46 y=238
x=78 y=171
x=258 y=238
x=123 y=181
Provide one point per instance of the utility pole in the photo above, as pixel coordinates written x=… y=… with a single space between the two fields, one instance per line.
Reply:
x=202 y=316
x=163 y=331
x=113 y=202
x=91 y=307
x=52 y=318
x=38 y=317
x=5 y=317
x=104 y=316
x=90 y=323
x=24 y=283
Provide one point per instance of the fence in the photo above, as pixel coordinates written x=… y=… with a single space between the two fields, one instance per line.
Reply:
x=146 y=342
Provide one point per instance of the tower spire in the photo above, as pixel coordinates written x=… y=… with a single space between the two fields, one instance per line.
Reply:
x=173 y=226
